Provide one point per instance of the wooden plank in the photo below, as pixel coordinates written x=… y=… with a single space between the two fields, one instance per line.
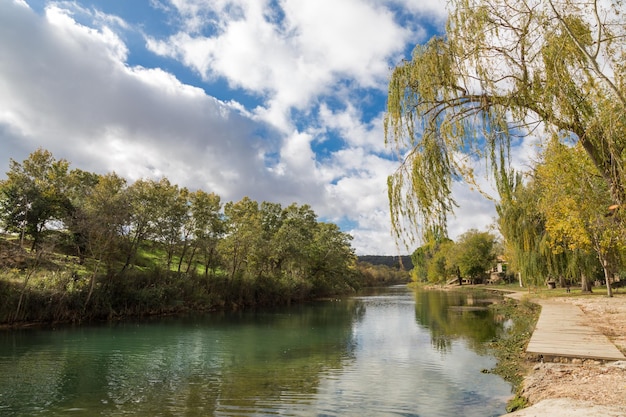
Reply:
x=562 y=331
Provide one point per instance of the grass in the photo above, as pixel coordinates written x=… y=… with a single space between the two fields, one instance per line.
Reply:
x=509 y=349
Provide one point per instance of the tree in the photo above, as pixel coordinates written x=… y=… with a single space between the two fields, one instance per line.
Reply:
x=81 y=186
x=504 y=69
x=331 y=259
x=144 y=208
x=105 y=213
x=575 y=200
x=243 y=231
x=292 y=241
x=34 y=195
x=522 y=225
x=208 y=227
x=171 y=213
x=474 y=253
x=430 y=261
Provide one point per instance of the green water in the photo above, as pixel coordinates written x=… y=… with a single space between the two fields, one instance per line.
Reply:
x=395 y=353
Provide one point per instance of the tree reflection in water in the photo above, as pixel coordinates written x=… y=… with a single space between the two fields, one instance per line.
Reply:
x=451 y=315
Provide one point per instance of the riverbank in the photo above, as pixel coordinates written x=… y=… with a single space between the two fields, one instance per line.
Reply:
x=577 y=387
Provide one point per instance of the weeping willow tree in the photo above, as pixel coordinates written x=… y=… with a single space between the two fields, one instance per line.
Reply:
x=501 y=71
x=522 y=225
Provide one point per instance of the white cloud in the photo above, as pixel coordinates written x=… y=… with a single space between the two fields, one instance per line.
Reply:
x=350 y=126
x=292 y=59
x=68 y=87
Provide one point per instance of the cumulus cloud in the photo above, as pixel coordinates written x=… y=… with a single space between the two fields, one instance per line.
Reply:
x=305 y=124
x=288 y=52
x=66 y=87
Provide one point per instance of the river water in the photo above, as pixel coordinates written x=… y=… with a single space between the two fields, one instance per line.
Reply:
x=393 y=352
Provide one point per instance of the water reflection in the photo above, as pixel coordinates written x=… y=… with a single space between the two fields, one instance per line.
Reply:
x=196 y=365
x=362 y=356
x=454 y=314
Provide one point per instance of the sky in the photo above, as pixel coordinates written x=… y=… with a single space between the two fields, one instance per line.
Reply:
x=278 y=100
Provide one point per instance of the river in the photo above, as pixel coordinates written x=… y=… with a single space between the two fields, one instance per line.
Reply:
x=393 y=352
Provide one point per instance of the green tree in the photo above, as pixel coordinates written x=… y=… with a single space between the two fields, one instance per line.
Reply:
x=105 y=213
x=331 y=260
x=504 y=69
x=243 y=232
x=522 y=225
x=81 y=185
x=208 y=228
x=430 y=261
x=171 y=213
x=144 y=206
x=34 y=195
x=292 y=241
x=474 y=254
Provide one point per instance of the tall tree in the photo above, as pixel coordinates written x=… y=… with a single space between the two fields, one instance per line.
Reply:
x=144 y=208
x=208 y=227
x=81 y=186
x=430 y=259
x=171 y=213
x=104 y=215
x=292 y=240
x=504 y=69
x=331 y=259
x=522 y=225
x=243 y=232
x=575 y=202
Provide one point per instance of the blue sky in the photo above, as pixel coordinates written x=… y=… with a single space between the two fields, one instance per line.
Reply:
x=278 y=100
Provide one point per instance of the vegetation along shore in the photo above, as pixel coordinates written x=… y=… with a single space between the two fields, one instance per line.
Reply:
x=81 y=246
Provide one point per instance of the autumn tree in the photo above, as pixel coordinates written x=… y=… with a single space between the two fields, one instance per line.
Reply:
x=144 y=208
x=504 y=70
x=104 y=214
x=575 y=201
x=81 y=184
x=171 y=215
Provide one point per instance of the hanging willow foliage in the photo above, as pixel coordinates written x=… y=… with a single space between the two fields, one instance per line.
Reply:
x=502 y=70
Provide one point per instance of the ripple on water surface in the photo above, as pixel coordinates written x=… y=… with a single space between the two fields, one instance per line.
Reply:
x=372 y=355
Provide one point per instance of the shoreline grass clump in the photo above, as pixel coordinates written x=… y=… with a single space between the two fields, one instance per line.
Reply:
x=509 y=348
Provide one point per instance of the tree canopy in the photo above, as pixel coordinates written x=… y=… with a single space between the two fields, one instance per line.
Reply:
x=154 y=234
x=504 y=70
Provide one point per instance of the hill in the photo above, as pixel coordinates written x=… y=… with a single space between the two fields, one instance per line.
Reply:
x=399 y=262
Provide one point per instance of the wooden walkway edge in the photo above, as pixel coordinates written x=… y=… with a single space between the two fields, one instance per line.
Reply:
x=562 y=331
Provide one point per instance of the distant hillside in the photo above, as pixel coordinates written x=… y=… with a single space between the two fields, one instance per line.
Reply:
x=391 y=261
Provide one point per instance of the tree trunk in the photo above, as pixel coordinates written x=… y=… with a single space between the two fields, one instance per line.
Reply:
x=585 y=285
x=607 y=277
x=191 y=258
x=92 y=284
x=31 y=270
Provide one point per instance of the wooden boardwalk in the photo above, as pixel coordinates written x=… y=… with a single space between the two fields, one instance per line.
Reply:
x=562 y=331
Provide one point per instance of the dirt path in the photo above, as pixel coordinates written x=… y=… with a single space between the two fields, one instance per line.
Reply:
x=588 y=388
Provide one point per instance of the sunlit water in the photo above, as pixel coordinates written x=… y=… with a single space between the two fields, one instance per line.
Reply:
x=395 y=353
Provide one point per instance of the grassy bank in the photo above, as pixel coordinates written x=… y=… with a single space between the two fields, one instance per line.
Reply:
x=53 y=285
x=509 y=349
